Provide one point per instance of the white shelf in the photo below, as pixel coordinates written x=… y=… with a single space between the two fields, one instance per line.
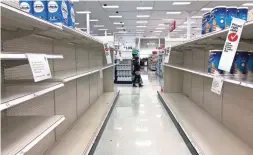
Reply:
x=217 y=37
x=208 y=136
x=14 y=93
x=80 y=138
x=27 y=24
x=21 y=133
x=17 y=56
x=229 y=79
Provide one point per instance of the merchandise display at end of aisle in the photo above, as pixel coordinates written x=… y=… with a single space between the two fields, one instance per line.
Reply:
x=206 y=23
x=71 y=14
x=40 y=9
x=58 y=11
x=26 y=5
x=213 y=62
x=218 y=18
x=242 y=13
x=231 y=12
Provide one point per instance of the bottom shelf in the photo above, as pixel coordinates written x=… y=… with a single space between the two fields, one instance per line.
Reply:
x=80 y=138
x=21 y=133
x=123 y=82
x=207 y=135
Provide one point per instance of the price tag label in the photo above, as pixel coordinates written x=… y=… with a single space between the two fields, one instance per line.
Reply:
x=231 y=44
x=217 y=85
x=107 y=54
x=39 y=66
x=101 y=74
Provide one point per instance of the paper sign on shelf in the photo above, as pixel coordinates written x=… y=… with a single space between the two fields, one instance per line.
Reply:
x=101 y=74
x=107 y=54
x=231 y=44
x=217 y=85
x=39 y=66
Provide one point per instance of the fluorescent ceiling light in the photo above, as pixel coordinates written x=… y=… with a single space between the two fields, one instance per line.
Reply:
x=206 y=9
x=82 y=12
x=187 y=22
x=160 y=28
x=140 y=30
x=143 y=16
x=197 y=17
x=141 y=22
x=94 y=20
x=182 y=26
x=181 y=3
x=141 y=26
x=144 y=8
x=111 y=6
x=118 y=23
x=122 y=32
x=247 y=4
x=120 y=28
x=161 y=24
x=158 y=31
x=115 y=16
x=173 y=13
x=98 y=25
x=102 y=29
x=168 y=19
x=76 y=23
x=176 y=30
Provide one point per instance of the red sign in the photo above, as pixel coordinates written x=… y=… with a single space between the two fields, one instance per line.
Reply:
x=172 y=26
x=232 y=37
x=154 y=52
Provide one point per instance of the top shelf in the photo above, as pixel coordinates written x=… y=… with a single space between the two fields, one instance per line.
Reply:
x=215 y=38
x=17 y=56
x=22 y=24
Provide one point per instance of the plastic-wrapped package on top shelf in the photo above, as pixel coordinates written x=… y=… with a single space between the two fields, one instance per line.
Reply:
x=40 y=9
x=71 y=14
x=58 y=11
x=26 y=5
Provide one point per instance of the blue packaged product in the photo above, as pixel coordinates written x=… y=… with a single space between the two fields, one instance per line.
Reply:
x=213 y=62
x=242 y=13
x=206 y=23
x=71 y=14
x=26 y=5
x=218 y=18
x=40 y=9
x=58 y=11
x=249 y=65
x=239 y=68
x=231 y=13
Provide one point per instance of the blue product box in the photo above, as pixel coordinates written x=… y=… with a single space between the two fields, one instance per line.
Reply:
x=250 y=64
x=239 y=65
x=231 y=13
x=71 y=14
x=206 y=23
x=242 y=13
x=213 y=62
x=26 y=5
x=218 y=18
x=58 y=11
x=40 y=9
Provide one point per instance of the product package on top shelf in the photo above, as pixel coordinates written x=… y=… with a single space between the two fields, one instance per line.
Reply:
x=58 y=11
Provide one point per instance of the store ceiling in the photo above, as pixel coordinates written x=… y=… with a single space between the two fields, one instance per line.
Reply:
x=158 y=14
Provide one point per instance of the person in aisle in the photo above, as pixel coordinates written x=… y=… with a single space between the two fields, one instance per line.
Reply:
x=136 y=72
x=135 y=52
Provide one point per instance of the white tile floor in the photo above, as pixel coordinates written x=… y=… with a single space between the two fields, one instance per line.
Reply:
x=139 y=125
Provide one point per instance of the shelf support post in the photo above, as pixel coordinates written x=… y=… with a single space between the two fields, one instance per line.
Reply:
x=188 y=25
x=88 y=22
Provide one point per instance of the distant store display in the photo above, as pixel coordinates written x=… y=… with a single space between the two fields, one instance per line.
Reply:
x=221 y=16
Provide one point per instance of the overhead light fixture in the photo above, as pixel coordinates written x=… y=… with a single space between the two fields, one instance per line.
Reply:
x=182 y=26
x=120 y=28
x=122 y=32
x=76 y=23
x=173 y=13
x=141 y=26
x=102 y=29
x=143 y=16
x=196 y=17
x=144 y=8
x=94 y=20
x=110 y=6
x=141 y=22
x=160 y=28
x=247 y=4
x=158 y=31
x=140 y=30
x=176 y=30
x=168 y=19
x=82 y=12
x=118 y=23
x=99 y=26
x=115 y=16
x=181 y=3
x=161 y=24
x=206 y=9
x=187 y=22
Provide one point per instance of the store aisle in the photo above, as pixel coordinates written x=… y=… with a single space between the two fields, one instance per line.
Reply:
x=139 y=125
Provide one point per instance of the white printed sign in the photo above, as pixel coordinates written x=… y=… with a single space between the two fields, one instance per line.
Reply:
x=231 y=44
x=39 y=66
x=107 y=54
x=217 y=85
x=167 y=55
x=101 y=74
